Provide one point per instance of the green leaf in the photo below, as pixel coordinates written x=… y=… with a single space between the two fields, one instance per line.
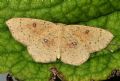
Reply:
x=15 y=59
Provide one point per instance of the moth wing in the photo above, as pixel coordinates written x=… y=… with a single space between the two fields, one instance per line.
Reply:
x=46 y=48
x=25 y=30
x=72 y=49
x=39 y=36
x=94 y=38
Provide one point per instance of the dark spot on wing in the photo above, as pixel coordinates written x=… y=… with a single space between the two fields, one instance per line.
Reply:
x=98 y=40
x=45 y=40
x=72 y=44
x=20 y=22
x=48 y=43
x=87 y=31
x=34 y=24
x=89 y=42
x=95 y=42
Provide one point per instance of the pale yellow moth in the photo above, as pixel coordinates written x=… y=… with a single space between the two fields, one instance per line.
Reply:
x=47 y=41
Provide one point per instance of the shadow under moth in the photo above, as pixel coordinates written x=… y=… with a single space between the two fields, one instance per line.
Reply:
x=46 y=41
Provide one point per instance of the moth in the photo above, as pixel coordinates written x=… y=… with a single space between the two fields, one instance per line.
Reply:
x=47 y=41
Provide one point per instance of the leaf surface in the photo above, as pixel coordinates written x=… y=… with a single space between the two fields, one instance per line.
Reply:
x=15 y=59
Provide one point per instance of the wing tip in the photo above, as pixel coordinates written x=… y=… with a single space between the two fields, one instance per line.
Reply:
x=10 y=21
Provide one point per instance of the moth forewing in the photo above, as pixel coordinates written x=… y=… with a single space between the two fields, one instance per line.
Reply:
x=94 y=38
